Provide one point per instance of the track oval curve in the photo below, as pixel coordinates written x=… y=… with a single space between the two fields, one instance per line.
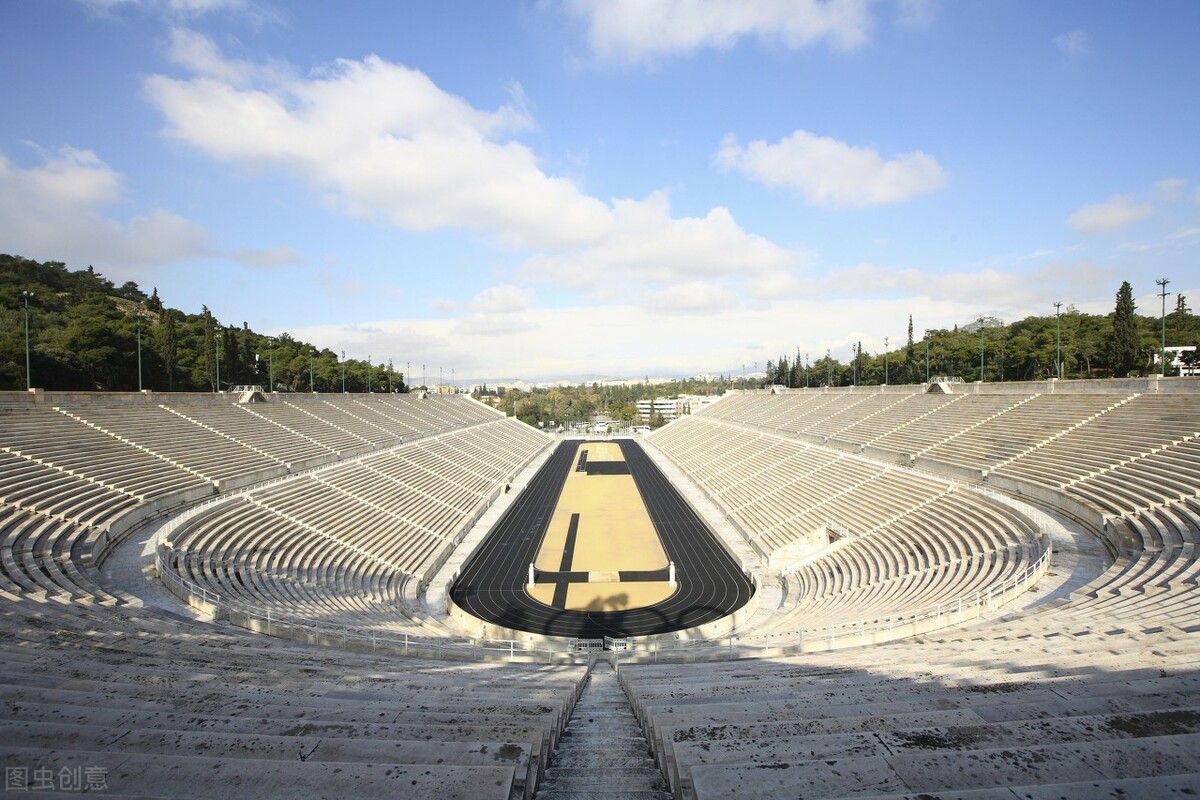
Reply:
x=491 y=584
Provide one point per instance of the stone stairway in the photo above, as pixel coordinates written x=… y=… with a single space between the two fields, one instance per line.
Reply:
x=602 y=753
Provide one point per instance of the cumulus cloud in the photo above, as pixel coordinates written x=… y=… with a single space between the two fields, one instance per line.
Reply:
x=832 y=173
x=1074 y=43
x=61 y=209
x=647 y=246
x=1117 y=212
x=380 y=141
x=638 y=30
x=497 y=311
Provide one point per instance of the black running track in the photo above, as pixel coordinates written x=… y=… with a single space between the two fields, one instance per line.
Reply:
x=491 y=584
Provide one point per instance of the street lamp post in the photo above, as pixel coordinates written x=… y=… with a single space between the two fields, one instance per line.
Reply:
x=926 y=357
x=310 y=373
x=28 y=374
x=885 y=361
x=1058 y=339
x=139 y=348
x=981 y=329
x=806 y=370
x=217 y=348
x=828 y=369
x=1162 y=282
x=368 y=373
x=271 y=362
x=343 y=372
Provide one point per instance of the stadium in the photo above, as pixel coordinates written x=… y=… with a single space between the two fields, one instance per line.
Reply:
x=942 y=589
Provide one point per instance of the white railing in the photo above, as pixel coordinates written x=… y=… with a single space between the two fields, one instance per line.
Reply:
x=264 y=620
x=847 y=634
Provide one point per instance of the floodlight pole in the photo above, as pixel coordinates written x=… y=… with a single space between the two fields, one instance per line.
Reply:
x=368 y=373
x=1162 y=282
x=28 y=379
x=343 y=372
x=310 y=373
x=806 y=370
x=926 y=356
x=828 y=369
x=271 y=362
x=1058 y=339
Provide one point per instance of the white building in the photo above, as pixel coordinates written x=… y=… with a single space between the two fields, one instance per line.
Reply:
x=1177 y=367
x=668 y=408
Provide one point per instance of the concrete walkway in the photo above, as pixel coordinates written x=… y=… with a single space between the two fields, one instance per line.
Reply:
x=130 y=569
x=602 y=753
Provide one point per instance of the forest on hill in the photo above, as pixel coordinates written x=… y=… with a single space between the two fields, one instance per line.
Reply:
x=86 y=333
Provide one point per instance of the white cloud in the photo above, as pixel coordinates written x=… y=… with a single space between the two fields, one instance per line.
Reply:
x=916 y=13
x=649 y=247
x=637 y=30
x=334 y=284
x=502 y=299
x=833 y=173
x=269 y=257
x=182 y=9
x=698 y=326
x=1115 y=213
x=382 y=141
x=1170 y=190
x=1073 y=43
x=693 y=297
x=60 y=210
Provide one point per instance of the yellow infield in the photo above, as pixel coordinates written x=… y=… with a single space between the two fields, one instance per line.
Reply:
x=612 y=533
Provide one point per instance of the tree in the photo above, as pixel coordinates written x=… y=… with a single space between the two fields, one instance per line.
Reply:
x=1124 y=346
x=208 y=351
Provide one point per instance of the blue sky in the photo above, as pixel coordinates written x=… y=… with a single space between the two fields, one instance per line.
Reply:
x=576 y=188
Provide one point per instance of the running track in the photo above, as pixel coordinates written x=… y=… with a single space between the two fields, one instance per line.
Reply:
x=491 y=584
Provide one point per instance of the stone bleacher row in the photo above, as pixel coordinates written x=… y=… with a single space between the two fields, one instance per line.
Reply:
x=1031 y=708
x=349 y=544
x=155 y=706
x=1095 y=695
x=1132 y=460
x=911 y=542
x=152 y=704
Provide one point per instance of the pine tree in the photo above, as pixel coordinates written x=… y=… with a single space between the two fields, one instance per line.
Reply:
x=209 y=351
x=1123 y=347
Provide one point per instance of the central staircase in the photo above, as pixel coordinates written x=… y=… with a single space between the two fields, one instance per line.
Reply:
x=602 y=753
